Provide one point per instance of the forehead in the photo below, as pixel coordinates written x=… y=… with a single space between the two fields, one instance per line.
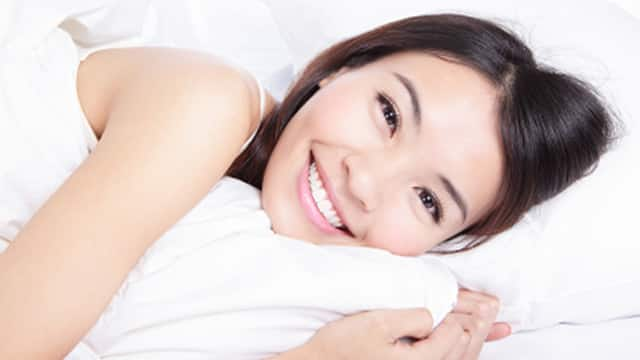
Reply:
x=438 y=75
x=459 y=131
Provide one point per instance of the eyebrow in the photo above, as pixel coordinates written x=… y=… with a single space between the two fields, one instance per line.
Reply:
x=413 y=94
x=455 y=195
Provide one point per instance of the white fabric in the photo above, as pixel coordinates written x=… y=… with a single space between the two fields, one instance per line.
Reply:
x=41 y=45
x=39 y=111
x=220 y=284
x=631 y=6
x=581 y=244
x=262 y=101
x=614 y=339
x=44 y=134
x=242 y=31
x=94 y=23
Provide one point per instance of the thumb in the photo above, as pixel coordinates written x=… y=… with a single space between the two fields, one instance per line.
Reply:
x=416 y=323
x=498 y=331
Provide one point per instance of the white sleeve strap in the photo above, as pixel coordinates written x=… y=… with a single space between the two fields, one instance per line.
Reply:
x=262 y=108
x=262 y=99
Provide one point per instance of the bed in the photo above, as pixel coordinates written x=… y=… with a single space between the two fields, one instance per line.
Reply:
x=251 y=33
x=604 y=334
x=613 y=339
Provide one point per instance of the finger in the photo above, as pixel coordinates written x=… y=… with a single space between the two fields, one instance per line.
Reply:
x=465 y=304
x=459 y=350
x=478 y=295
x=477 y=331
x=492 y=301
x=498 y=331
x=469 y=302
x=443 y=338
x=483 y=306
x=474 y=322
x=414 y=323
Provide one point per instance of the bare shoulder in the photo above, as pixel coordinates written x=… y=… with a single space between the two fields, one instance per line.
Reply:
x=170 y=122
x=161 y=77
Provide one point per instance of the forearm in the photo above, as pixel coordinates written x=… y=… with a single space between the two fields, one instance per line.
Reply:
x=168 y=140
x=303 y=352
x=63 y=268
x=25 y=306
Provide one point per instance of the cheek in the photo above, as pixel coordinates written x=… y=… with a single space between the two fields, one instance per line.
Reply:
x=342 y=120
x=400 y=234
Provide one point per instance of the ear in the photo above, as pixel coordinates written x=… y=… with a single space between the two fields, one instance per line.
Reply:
x=332 y=76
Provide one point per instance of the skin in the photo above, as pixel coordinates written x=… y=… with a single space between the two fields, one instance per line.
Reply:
x=157 y=112
x=132 y=98
x=372 y=173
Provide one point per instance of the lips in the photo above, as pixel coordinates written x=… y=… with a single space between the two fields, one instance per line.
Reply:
x=309 y=205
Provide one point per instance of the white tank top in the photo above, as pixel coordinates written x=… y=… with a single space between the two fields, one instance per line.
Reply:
x=43 y=132
x=262 y=109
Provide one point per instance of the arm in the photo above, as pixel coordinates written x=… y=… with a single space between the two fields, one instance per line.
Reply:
x=299 y=353
x=170 y=124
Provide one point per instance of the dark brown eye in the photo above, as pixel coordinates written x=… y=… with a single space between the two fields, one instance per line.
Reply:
x=430 y=203
x=389 y=112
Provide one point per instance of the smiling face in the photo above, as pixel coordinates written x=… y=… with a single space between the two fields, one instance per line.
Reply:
x=399 y=154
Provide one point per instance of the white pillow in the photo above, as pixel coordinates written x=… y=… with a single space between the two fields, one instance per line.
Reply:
x=242 y=31
x=574 y=258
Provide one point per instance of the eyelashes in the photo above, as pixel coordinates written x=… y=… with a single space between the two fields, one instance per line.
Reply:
x=393 y=119
x=389 y=112
x=430 y=202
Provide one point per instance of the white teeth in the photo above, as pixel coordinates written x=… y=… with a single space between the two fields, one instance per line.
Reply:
x=319 y=194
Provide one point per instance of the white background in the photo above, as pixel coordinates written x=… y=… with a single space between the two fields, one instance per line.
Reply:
x=632 y=6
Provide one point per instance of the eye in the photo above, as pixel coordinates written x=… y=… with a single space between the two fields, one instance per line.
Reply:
x=390 y=112
x=430 y=202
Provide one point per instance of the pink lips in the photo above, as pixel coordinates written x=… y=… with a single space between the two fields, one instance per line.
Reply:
x=309 y=204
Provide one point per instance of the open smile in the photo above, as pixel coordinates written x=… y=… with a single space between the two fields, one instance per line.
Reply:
x=318 y=200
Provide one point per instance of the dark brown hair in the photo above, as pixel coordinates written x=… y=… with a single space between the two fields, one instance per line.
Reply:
x=554 y=127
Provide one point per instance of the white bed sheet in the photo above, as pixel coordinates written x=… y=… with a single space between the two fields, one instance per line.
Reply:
x=614 y=339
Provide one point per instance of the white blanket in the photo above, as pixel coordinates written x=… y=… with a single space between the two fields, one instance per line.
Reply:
x=221 y=285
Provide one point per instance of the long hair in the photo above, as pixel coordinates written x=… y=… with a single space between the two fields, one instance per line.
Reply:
x=553 y=126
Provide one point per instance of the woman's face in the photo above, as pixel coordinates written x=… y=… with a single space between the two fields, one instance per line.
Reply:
x=403 y=152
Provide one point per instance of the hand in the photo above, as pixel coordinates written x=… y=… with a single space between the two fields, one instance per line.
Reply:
x=476 y=313
x=375 y=335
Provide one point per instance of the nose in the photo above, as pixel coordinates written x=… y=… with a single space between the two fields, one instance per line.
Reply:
x=362 y=180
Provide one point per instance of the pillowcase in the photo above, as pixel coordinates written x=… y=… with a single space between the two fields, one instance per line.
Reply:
x=243 y=32
x=219 y=284
x=572 y=259
x=631 y=6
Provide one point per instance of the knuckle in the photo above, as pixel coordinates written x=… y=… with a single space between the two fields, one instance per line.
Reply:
x=478 y=324
x=494 y=303
x=428 y=318
x=487 y=310
x=457 y=327
x=465 y=338
x=451 y=323
x=449 y=320
x=477 y=309
x=484 y=309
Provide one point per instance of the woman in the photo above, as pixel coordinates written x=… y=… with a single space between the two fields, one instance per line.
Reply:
x=420 y=130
